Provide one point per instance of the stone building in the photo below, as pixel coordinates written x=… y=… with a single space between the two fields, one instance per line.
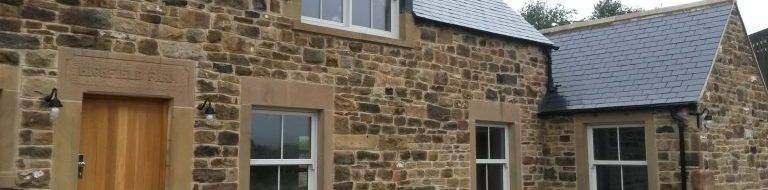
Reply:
x=760 y=45
x=379 y=95
x=383 y=94
x=624 y=86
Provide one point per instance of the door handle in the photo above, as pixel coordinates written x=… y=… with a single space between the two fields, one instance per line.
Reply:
x=80 y=166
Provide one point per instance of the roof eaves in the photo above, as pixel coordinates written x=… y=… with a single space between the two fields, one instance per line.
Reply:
x=618 y=108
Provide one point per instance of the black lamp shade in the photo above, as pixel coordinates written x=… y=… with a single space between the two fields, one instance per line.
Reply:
x=54 y=103
x=209 y=110
x=206 y=108
x=52 y=100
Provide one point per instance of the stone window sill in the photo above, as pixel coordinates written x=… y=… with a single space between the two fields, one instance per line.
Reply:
x=297 y=25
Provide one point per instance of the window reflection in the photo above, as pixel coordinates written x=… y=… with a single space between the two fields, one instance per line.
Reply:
x=297 y=141
x=381 y=15
x=310 y=8
x=332 y=10
x=281 y=150
x=361 y=13
x=265 y=136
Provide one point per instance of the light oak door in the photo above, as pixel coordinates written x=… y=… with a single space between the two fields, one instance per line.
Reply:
x=122 y=143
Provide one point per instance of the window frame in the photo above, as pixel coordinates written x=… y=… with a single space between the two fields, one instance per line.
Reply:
x=347 y=25
x=591 y=153
x=311 y=163
x=504 y=162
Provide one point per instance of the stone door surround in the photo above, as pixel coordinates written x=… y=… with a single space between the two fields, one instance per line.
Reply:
x=9 y=92
x=98 y=72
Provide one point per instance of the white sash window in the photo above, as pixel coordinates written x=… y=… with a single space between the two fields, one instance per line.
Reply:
x=375 y=17
x=492 y=169
x=283 y=150
x=617 y=157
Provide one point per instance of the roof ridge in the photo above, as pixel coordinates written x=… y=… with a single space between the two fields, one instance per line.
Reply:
x=631 y=16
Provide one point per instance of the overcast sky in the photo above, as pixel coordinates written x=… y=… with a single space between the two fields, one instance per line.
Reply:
x=754 y=12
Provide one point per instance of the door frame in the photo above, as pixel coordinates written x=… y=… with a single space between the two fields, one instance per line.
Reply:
x=181 y=112
x=9 y=121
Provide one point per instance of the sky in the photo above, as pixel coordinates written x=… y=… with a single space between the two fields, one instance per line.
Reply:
x=753 y=12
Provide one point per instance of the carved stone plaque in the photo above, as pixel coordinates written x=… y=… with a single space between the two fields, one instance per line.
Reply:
x=84 y=71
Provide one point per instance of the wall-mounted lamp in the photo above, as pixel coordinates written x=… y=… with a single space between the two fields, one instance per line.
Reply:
x=52 y=101
x=704 y=119
x=707 y=119
x=207 y=109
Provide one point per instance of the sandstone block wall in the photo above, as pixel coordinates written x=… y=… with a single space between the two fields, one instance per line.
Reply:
x=736 y=95
x=559 y=153
x=561 y=163
x=413 y=98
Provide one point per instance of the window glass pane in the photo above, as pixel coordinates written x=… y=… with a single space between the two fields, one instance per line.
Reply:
x=381 y=14
x=604 y=144
x=265 y=136
x=264 y=177
x=332 y=10
x=296 y=137
x=481 y=136
x=495 y=176
x=310 y=8
x=635 y=177
x=294 y=177
x=361 y=13
x=632 y=142
x=497 y=142
x=608 y=177
x=481 y=177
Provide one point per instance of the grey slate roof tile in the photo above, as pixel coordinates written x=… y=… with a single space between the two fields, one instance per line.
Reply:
x=655 y=60
x=492 y=16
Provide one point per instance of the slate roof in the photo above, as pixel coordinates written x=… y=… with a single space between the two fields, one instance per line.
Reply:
x=652 y=60
x=760 y=45
x=492 y=16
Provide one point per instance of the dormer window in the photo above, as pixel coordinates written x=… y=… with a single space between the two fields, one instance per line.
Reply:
x=374 y=17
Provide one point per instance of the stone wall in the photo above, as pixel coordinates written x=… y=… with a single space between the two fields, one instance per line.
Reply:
x=559 y=153
x=561 y=160
x=736 y=96
x=668 y=149
x=414 y=98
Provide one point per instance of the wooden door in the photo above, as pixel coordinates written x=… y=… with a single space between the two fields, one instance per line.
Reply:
x=123 y=143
